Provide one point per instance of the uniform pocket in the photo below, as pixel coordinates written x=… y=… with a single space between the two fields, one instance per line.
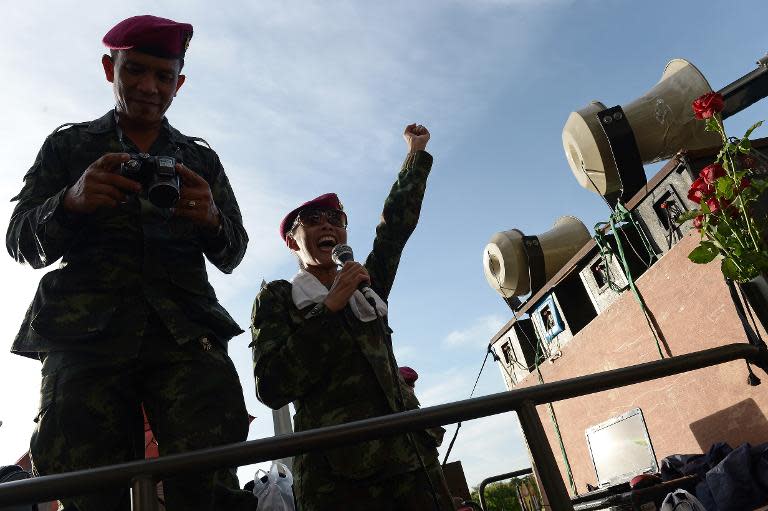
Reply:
x=80 y=316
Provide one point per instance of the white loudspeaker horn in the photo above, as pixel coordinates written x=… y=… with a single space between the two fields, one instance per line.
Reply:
x=506 y=259
x=662 y=122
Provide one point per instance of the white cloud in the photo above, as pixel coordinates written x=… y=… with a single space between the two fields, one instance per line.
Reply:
x=479 y=333
x=404 y=353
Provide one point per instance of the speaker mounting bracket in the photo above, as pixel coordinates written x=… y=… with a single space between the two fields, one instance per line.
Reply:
x=536 y=266
x=625 y=154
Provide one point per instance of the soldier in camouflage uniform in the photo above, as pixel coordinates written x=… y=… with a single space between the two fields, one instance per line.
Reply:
x=335 y=364
x=129 y=316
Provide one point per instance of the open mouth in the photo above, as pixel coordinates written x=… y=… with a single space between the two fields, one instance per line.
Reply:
x=326 y=243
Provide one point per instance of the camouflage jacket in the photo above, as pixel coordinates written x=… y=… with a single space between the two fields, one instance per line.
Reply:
x=117 y=262
x=334 y=367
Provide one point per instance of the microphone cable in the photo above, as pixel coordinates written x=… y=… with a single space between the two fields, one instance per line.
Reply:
x=458 y=426
x=382 y=322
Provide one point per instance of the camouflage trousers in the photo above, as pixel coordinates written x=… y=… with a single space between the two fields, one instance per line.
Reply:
x=90 y=415
x=410 y=491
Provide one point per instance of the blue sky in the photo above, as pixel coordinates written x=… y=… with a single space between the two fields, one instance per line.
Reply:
x=306 y=97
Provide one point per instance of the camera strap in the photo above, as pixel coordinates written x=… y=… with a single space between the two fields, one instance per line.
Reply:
x=121 y=138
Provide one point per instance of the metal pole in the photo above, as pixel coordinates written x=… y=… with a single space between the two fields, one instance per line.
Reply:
x=488 y=480
x=551 y=482
x=743 y=92
x=144 y=494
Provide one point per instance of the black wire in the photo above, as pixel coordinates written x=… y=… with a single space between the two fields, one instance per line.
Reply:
x=458 y=426
x=394 y=371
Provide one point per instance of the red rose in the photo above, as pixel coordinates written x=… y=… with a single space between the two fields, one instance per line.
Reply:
x=716 y=206
x=708 y=105
x=699 y=190
x=711 y=173
x=698 y=222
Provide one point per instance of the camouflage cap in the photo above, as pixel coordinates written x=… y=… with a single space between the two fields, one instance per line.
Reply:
x=325 y=201
x=160 y=37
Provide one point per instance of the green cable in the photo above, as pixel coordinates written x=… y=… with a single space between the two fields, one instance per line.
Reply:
x=623 y=215
x=553 y=417
x=606 y=254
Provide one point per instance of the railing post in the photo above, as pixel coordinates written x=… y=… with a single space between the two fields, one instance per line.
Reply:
x=144 y=494
x=552 y=484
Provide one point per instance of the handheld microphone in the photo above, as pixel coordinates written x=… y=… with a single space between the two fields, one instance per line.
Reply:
x=341 y=254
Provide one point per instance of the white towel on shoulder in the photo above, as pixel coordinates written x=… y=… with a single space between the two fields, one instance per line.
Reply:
x=307 y=290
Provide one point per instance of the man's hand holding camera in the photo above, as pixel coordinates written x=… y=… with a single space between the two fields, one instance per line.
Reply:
x=103 y=186
x=196 y=201
x=100 y=186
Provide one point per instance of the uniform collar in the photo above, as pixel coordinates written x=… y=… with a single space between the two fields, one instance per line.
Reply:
x=107 y=123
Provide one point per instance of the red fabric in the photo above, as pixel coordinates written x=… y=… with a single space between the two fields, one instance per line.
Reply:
x=149 y=34
x=150 y=444
x=325 y=201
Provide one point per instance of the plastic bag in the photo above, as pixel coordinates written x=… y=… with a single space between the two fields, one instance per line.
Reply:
x=274 y=489
x=681 y=500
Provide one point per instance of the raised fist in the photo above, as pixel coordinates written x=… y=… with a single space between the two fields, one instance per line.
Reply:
x=416 y=137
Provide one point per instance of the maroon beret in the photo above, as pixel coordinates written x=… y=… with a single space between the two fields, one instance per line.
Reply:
x=325 y=201
x=409 y=375
x=152 y=35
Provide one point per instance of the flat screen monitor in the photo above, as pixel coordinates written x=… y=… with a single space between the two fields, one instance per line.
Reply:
x=621 y=449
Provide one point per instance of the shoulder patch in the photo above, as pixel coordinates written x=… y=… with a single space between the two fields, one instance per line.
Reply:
x=276 y=287
x=67 y=125
x=201 y=142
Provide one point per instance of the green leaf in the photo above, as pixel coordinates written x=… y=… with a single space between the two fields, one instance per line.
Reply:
x=725 y=187
x=753 y=128
x=712 y=125
x=688 y=215
x=745 y=146
x=729 y=269
x=723 y=229
x=704 y=253
x=760 y=184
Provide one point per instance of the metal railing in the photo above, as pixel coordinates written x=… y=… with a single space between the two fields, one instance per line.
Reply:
x=141 y=476
x=501 y=477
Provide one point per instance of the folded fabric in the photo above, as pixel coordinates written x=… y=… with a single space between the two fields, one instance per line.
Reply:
x=308 y=290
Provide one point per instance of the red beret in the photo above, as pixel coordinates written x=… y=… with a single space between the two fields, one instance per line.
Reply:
x=152 y=35
x=409 y=375
x=325 y=201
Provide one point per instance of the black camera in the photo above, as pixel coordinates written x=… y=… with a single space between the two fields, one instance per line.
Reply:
x=157 y=175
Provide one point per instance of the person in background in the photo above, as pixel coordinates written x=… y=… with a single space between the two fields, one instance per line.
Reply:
x=409 y=377
x=132 y=208
x=319 y=343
